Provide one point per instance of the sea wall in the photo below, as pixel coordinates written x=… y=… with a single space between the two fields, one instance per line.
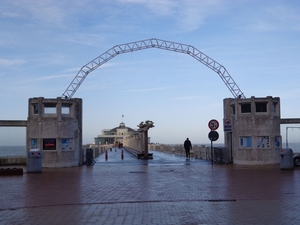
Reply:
x=198 y=151
x=12 y=160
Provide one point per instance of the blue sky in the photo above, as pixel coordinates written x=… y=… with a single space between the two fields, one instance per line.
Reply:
x=43 y=44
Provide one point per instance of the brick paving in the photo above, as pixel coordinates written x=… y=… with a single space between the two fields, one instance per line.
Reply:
x=161 y=191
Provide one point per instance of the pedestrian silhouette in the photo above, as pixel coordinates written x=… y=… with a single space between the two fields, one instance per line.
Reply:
x=187 y=146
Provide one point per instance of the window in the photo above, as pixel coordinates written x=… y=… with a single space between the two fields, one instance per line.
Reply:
x=246 y=108
x=65 y=109
x=261 y=106
x=50 y=108
x=35 y=108
x=263 y=142
x=233 y=109
x=246 y=142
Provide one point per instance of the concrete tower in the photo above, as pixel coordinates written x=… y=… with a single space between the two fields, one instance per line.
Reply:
x=255 y=134
x=55 y=127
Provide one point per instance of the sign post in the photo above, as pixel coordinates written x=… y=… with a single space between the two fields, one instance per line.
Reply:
x=213 y=135
x=228 y=128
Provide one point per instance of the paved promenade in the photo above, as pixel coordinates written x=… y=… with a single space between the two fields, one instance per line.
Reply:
x=165 y=190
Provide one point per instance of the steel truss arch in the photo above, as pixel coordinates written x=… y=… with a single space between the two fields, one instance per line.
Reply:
x=153 y=43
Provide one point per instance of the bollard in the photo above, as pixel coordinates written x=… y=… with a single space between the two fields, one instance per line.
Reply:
x=122 y=154
x=106 y=155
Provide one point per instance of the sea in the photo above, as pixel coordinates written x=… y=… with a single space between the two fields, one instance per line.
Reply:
x=12 y=151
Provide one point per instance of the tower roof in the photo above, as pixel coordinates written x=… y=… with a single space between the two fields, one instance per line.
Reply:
x=122 y=126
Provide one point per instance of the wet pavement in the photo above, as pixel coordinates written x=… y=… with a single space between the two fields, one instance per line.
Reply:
x=166 y=190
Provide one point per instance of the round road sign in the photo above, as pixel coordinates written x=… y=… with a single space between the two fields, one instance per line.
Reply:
x=213 y=124
x=227 y=122
x=213 y=135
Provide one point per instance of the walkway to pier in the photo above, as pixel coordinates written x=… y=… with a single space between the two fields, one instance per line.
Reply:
x=159 y=158
x=165 y=190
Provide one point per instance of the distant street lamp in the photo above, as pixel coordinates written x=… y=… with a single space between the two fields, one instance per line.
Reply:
x=143 y=128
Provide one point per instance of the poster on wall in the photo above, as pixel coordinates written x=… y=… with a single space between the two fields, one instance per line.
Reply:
x=66 y=144
x=33 y=143
x=277 y=142
x=49 y=144
x=263 y=142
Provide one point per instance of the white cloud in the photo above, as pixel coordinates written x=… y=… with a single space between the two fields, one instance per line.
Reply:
x=285 y=17
x=188 y=98
x=263 y=26
x=53 y=77
x=189 y=14
x=9 y=15
x=46 y=11
x=156 y=6
x=275 y=17
x=11 y=62
x=192 y=14
x=147 y=89
x=86 y=39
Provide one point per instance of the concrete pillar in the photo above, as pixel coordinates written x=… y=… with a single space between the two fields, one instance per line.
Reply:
x=55 y=127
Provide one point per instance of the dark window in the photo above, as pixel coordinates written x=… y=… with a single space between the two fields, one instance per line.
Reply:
x=35 y=108
x=246 y=108
x=274 y=107
x=233 y=109
x=261 y=106
x=49 y=144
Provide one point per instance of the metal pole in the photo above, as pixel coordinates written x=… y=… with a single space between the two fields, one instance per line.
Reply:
x=211 y=152
x=286 y=138
x=231 y=147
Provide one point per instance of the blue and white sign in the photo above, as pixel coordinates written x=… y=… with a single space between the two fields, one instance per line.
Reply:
x=227 y=125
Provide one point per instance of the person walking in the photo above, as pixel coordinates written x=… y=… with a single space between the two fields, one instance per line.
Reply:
x=187 y=146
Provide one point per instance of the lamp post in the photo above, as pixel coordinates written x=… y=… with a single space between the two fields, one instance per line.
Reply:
x=143 y=128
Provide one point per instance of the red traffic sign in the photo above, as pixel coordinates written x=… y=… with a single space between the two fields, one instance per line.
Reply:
x=213 y=124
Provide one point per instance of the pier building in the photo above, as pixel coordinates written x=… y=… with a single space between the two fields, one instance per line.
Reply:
x=114 y=135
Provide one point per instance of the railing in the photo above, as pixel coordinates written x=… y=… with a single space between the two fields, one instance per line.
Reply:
x=137 y=153
x=221 y=154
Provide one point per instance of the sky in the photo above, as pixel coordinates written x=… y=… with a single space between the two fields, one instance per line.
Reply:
x=43 y=44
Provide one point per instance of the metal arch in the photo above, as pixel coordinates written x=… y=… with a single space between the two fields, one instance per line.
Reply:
x=153 y=43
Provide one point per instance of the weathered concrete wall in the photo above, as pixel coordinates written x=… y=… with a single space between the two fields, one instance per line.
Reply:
x=135 y=141
x=13 y=123
x=55 y=127
x=255 y=138
x=13 y=160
